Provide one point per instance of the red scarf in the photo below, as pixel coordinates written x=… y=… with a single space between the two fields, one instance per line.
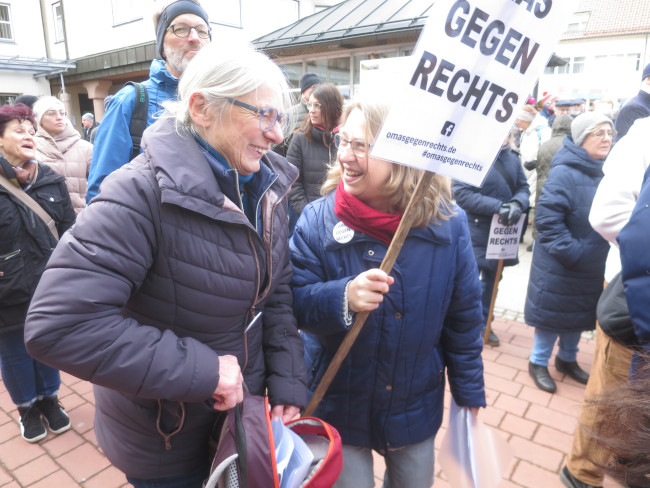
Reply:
x=359 y=216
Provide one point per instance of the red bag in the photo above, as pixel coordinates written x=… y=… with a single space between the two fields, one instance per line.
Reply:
x=245 y=449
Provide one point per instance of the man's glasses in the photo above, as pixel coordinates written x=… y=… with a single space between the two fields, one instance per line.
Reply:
x=268 y=116
x=602 y=133
x=316 y=106
x=359 y=148
x=55 y=113
x=183 y=30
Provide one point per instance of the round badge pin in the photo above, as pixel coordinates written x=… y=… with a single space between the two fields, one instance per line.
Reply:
x=342 y=233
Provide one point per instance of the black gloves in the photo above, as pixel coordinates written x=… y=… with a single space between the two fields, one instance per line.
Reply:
x=530 y=165
x=510 y=212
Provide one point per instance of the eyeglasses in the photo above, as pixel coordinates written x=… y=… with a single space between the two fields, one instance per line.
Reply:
x=601 y=134
x=316 y=106
x=359 y=148
x=55 y=113
x=183 y=30
x=268 y=116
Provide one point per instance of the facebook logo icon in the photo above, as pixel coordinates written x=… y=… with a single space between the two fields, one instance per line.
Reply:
x=448 y=128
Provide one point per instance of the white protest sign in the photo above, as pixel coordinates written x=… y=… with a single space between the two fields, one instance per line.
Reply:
x=473 y=68
x=503 y=241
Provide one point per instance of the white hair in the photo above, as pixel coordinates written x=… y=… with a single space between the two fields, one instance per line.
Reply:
x=43 y=104
x=218 y=72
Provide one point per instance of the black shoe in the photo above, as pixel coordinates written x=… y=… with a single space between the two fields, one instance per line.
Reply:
x=571 y=482
x=541 y=377
x=572 y=370
x=31 y=425
x=493 y=340
x=55 y=417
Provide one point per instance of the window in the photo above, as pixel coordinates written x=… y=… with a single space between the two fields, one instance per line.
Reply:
x=578 y=64
x=7 y=99
x=224 y=12
x=578 y=22
x=126 y=11
x=57 y=12
x=634 y=61
x=5 y=23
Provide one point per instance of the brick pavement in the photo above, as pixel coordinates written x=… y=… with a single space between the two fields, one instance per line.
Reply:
x=536 y=424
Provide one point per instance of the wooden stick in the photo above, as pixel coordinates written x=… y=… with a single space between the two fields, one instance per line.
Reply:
x=387 y=265
x=495 y=289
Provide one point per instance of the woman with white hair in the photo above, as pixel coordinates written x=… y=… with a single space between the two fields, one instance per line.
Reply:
x=177 y=276
x=59 y=145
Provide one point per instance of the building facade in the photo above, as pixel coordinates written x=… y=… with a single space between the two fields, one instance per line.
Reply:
x=83 y=50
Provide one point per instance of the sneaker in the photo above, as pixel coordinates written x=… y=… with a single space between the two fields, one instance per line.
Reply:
x=55 y=417
x=31 y=425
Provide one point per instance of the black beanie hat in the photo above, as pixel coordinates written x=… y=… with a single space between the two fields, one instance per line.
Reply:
x=172 y=11
x=308 y=80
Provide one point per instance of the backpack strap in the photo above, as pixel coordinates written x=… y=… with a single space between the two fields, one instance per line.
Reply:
x=139 y=116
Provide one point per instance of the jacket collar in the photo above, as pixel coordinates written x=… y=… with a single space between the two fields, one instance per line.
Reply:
x=437 y=234
x=186 y=178
x=159 y=74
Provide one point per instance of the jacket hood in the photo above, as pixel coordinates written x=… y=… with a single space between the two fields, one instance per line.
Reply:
x=64 y=140
x=561 y=125
x=571 y=155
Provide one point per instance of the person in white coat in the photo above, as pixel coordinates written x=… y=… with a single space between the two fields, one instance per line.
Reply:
x=60 y=146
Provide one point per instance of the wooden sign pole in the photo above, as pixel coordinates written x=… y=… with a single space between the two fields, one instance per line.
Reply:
x=387 y=265
x=495 y=289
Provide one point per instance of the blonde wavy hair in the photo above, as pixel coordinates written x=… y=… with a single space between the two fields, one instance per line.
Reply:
x=436 y=204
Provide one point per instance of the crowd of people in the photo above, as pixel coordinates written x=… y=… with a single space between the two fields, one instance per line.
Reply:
x=199 y=263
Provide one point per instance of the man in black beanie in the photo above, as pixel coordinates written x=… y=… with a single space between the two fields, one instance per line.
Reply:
x=182 y=29
x=637 y=107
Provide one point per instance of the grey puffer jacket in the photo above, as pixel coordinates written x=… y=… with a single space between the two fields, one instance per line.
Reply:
x=163 y=272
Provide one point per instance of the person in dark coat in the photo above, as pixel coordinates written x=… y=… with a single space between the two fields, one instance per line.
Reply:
x=635 y=266
x=424 y=318
x=567 y=271
x=505 y=192
x=313 y=148
x=561 y=127
x=177 y=276
x=26 y=243
x=637 y=107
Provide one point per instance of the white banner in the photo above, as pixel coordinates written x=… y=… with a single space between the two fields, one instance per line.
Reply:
x=503 y=241
x=473 y=68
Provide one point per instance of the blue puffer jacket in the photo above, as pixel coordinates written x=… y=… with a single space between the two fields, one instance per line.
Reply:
x=482 y=203
x=634 y=241
x=390 y=388
x=567 y=272
x=113 y=144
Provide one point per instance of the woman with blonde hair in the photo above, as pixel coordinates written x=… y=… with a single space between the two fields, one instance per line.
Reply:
x=425 y=316
x=61 y=147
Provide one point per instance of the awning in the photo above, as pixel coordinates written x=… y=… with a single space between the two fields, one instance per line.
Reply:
x=37 y=66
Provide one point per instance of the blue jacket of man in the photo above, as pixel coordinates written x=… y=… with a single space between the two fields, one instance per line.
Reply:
x=567 y=272
x=482 y=203
x=638 y=107
x=113 y=144
x=634 y=242
x=390 y=388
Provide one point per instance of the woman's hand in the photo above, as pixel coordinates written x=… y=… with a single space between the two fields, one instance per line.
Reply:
x=367 y=290
x=285 y=412
x=230 y=390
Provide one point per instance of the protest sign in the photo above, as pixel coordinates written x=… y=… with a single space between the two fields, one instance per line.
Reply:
x=503 y=240
x=473 y=68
